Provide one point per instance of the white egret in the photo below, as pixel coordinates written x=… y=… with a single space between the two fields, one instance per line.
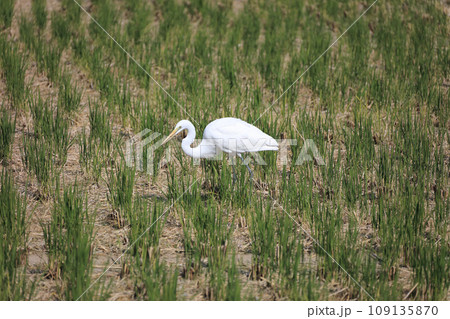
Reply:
x=230 y=135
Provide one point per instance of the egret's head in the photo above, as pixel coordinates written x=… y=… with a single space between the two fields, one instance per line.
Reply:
x=182 y=125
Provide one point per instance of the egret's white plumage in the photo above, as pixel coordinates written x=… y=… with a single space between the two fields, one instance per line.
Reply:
x=230 y=135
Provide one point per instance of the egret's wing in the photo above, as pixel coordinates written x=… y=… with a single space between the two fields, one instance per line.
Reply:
x=236 y=136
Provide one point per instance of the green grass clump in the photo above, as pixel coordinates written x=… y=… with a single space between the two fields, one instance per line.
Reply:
x=61 y=136
x=52 y=126
x=13 y=64
x=48 y=57
x=60 y=29
x=40 y=13
x=45 y=150
x=37 y=158
x=153 y=279
x=233 y=288
x=99 y=146
x=262 y=233
x=141 y=17
x=42 y=114
x=91 y=157
x=207 y=236
x=6 y=13
x=13 y=257
x=107 y=16
x=295 y=282
x=100 y=125
x=46 y=54
x=73 y=12
x=69 y=96
x=120 y=187
x=68 y=239
x=7 y=130
x=141 y=215
x=26 y=31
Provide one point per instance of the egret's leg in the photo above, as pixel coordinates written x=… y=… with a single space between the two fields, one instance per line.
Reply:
x=249 y=170
x=234 y=174
x=232 y=158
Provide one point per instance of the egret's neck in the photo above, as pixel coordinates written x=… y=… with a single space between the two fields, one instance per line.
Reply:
x=203 y=150
x=188 y=140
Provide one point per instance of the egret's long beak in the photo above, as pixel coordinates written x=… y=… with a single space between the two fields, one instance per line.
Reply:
x=171 y=135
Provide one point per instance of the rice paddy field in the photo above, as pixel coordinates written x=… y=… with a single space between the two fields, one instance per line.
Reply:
x=372 y=223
